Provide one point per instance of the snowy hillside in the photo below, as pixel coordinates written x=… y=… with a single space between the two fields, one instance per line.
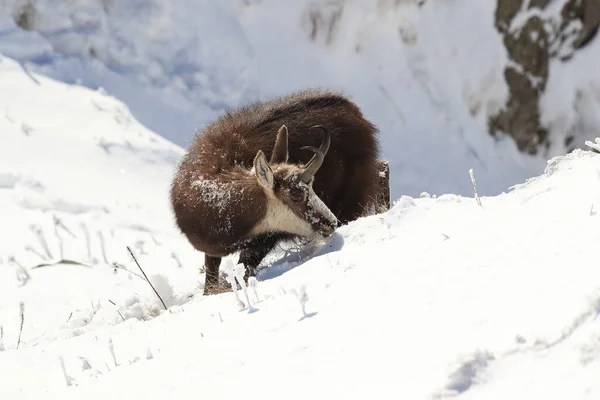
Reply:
x=420 y=74
x=80 y=180
x=437 y=298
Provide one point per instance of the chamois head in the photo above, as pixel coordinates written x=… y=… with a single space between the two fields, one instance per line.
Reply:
x=293 y=206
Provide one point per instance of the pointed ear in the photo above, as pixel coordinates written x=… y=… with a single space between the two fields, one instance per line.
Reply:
x=263 y=172
x=280 y=150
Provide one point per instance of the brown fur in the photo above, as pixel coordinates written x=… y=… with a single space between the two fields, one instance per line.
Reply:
x=223 y=153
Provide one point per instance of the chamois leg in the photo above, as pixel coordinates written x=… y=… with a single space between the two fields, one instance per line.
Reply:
x=353 y=203
x=382 y=203
x=256 y=251
x=211 y=280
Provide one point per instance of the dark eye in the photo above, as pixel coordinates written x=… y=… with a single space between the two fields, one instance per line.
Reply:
x=297 y=196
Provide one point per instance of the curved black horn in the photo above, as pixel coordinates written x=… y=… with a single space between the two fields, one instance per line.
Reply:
x=315 y=162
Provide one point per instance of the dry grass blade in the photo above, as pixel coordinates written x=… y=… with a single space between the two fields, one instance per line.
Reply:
x=147 y=280
x=472 y=175
x=113 y=303
x=62 y=261
x=22 y=312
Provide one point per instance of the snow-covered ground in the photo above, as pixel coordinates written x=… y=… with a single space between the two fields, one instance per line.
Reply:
x=439 y=297
x=424 y=76
x=80 y=180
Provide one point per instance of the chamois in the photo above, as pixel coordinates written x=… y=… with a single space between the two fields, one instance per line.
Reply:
x=226 y=196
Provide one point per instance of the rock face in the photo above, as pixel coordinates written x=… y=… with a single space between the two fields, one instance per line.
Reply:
x=534 y=35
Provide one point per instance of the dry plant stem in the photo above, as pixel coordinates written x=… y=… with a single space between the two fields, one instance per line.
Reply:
x=113 y=303
x=103 y=247
x=147 y=280
x=475 y=187
x=117 y=266
x=22 y=312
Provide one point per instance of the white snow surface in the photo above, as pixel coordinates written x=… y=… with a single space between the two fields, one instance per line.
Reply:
x=436 y=298
x=80 y=180
x=424 y=76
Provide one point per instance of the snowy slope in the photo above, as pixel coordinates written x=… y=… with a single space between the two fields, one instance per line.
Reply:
x=80 y=180
x=151 y=54
x=439 y=297
x=424 y=77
